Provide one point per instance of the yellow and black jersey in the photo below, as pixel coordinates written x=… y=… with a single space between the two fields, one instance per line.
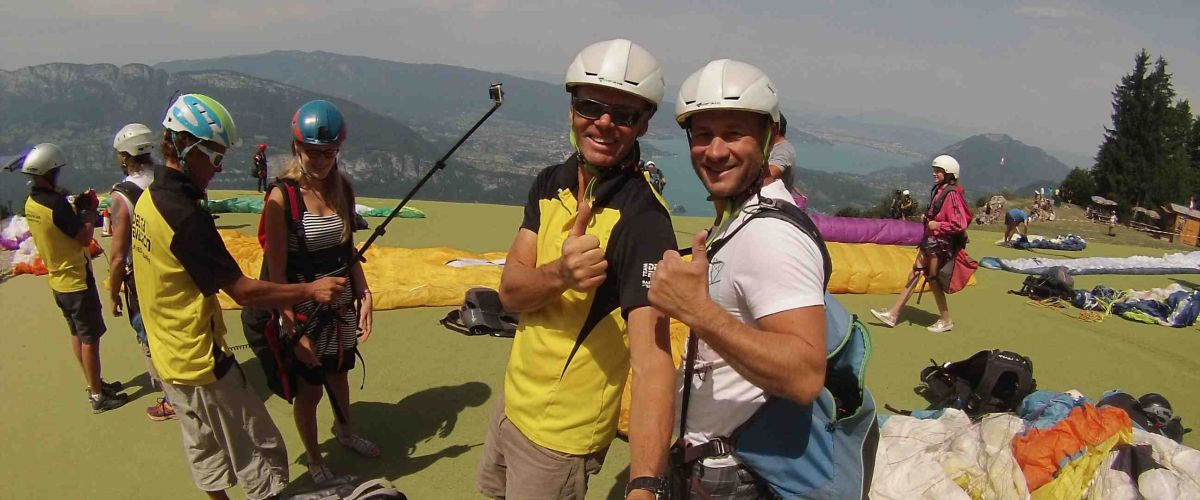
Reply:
x=53 y=225
x=570 y=359
x=180 y=264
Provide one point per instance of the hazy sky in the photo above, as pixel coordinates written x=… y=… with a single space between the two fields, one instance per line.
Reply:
x=1040 y=70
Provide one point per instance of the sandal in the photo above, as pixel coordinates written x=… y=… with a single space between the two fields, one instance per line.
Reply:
x=359 y=444
x=320 y=473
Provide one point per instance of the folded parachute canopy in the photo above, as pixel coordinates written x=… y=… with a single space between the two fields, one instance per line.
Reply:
x=1059 y=460
x=862 y=230
x=1172 y=263
x=1069 y=242
x=399 y=277
x=408 y=277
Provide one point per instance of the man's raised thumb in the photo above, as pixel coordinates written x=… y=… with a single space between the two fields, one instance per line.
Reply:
x=582 y=219
x=699 y=252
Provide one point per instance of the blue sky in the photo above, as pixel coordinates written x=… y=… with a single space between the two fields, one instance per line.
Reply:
x=1039 y=70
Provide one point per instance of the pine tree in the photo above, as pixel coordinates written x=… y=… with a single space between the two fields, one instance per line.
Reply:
x=1078 y=187
x=1145 y=160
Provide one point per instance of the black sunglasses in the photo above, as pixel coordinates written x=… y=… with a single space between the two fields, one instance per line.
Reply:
x=592 y=110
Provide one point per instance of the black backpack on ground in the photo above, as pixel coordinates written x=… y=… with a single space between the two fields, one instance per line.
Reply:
x=482 y=314
x=987 y=382
x=1053 y=283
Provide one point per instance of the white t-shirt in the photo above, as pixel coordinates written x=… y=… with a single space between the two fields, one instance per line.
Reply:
x=768 y=267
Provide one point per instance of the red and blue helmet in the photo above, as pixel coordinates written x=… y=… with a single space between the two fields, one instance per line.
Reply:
x=319 y=122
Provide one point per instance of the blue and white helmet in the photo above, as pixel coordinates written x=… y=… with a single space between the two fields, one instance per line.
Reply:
x=203 y=117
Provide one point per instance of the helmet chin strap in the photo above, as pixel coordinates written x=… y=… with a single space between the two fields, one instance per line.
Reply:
x=180 y=154
x=585 y=192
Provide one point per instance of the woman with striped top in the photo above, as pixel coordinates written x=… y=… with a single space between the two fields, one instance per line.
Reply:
x=329 y=335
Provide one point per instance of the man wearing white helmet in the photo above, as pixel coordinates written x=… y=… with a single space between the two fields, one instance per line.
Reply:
x=181 y=263
x=133 y=144
x=756 y=311
x=578 y=271
x=907 y=204
x=62 y=234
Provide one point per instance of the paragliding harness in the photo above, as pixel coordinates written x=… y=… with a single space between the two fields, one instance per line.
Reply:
x=1151 y=413
x=825 y=449
x=271 y=345
x=1053 y=283
x=482 y=314
x=987 y=382
x=132 y=192
x=956 y=272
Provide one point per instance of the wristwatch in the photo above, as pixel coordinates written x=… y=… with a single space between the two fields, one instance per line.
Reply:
x=656 y=485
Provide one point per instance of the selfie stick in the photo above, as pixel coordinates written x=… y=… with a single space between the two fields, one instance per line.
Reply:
x=496 y=92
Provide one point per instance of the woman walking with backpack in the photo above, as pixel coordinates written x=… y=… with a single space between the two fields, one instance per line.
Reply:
x=946 y=223
x=308 y=222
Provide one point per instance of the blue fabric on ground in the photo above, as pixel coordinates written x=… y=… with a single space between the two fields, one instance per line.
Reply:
x=1043 y=409
x=1179 y=310
x=1070 y=242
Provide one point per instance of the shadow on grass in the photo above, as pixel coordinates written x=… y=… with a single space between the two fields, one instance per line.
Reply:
x=911 y=314
x=233 y=226
x=399 y=428
x=1186 y=283
x=618 y=490
x=143 y=384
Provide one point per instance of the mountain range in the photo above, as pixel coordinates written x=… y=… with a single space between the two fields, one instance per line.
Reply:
x=79 y=107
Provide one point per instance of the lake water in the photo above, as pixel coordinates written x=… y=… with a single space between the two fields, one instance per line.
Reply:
x=683 y=188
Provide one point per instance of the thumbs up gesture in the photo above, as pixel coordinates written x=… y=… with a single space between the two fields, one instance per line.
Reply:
x=678 y=288
x=582 y=265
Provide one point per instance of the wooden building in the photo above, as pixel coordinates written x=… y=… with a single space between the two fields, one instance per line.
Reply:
x=1185 y=222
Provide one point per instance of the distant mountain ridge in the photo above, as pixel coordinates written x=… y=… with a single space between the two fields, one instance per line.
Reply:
x=990 y=163
x=79 y=107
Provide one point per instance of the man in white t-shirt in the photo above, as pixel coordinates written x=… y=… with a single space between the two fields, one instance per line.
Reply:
x=757 y=309
x=782 y=159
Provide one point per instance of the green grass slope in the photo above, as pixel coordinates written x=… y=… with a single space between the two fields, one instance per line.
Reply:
x=429 y=392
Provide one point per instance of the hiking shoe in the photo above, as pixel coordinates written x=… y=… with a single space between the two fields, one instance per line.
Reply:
x=111 y=388
x=161 y=411
x=884 y=316
x=941 y=326
x=105 y=402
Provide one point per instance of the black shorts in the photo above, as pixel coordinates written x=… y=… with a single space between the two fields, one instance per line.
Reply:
x=1009 y=221
x=329 y=364
x=84 y=314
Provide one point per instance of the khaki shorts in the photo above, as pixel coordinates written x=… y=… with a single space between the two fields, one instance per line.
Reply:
x=515 y=467
x=229 y=438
